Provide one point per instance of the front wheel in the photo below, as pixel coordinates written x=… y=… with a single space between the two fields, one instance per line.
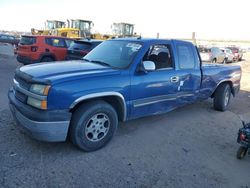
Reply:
x=241 y=153
x=222 y=97
x=214 y=61
x=93 y=125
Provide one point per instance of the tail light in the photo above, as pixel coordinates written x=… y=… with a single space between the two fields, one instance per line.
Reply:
x=84 y=52
x=34 y=48
x=242 y=136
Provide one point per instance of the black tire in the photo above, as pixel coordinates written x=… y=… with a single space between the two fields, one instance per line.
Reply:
x=224 y=61
x=82 y=120
x=47 y=59
x=222 y=97
x=214 y=60
x=241 y=153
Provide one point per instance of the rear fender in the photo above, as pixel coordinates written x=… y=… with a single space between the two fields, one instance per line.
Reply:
x=222 y=82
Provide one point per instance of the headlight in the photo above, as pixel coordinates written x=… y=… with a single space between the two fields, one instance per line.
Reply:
x=40 y=89
x=37 y=103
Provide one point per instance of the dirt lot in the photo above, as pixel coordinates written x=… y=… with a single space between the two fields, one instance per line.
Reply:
x=193 y=146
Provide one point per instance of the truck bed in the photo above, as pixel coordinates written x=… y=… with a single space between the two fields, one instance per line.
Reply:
x=214 y=74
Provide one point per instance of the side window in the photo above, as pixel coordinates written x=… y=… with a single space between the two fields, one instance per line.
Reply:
x=218 y=50
x=186 y=56
x=57 y=42
x=160 y=55
x=68 y=42
x=4 y=37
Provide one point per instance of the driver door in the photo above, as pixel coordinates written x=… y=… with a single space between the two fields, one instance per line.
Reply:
x=155 y=92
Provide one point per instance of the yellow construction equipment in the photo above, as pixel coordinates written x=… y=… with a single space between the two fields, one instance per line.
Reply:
x=49 y=26
x=77 y=28
x=123 y=30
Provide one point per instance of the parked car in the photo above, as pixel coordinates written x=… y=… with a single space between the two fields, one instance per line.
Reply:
x=212 y=54
x=4 y=38
x=238 y=54
x=121 y=79
x=34 y=49
x=229 y=55
x=79 y=48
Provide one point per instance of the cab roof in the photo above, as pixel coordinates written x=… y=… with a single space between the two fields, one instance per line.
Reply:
x=148 y=40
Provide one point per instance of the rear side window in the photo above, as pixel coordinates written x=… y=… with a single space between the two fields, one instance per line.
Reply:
x=186 y=56
x=28 y=40
x=3 y=37
x=56 y=42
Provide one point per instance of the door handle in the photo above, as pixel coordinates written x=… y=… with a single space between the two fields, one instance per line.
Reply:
x=174 y=79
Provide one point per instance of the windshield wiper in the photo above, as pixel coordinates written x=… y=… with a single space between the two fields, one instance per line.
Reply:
x=101 y=62
x=85 y=59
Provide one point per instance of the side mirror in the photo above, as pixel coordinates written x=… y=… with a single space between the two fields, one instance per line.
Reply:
x=148 y=65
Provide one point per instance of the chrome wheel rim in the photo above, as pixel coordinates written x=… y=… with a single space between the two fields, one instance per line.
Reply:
x=227 y=97
x=97 y=127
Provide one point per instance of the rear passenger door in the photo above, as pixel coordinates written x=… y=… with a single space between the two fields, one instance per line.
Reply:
x=189 y=72
x=58 y=48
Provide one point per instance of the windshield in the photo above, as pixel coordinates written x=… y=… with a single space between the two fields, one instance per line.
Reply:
x=54 y=24
x=82 y=25
x=117 y=54
x=123 y=29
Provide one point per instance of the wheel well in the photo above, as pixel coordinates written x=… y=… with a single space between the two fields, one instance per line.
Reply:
x=225 y=82
x=49 y=56
x=114 y=101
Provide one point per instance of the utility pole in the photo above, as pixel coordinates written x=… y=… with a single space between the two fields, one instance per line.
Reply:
x=158 y=35
x=194 y=38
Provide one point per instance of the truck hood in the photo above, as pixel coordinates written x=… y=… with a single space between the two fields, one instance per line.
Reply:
x=58 y=71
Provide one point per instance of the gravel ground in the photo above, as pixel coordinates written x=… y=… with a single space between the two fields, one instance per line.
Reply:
x=191 y=147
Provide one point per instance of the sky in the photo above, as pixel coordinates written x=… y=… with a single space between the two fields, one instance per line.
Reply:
x=210 y=19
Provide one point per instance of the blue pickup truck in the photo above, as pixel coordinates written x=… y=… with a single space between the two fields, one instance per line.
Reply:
x=121 y=79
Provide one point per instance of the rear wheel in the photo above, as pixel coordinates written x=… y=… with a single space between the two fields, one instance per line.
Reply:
x=93 y=125
x=241 y=153
x=47 y=59
x=222 y=97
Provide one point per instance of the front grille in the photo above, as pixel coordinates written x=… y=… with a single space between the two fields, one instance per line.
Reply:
x=20 y=96
x=24 y=84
